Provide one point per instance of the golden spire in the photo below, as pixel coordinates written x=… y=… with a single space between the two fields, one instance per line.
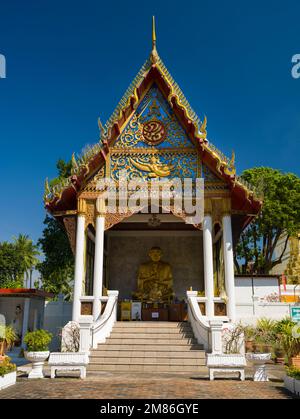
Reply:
x=154 y=55
x=153 y=33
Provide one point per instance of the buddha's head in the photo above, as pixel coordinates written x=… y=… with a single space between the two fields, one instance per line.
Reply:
x=155 y=254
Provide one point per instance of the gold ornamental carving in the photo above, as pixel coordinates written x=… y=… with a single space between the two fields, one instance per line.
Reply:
x=90 y=213
x=154 y=132
x=81 y=207
x=220 y=208
x=207 y=207
x=100 y=206
x=155 y=168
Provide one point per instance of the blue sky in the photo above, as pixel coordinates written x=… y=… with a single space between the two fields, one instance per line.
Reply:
x=69 y=62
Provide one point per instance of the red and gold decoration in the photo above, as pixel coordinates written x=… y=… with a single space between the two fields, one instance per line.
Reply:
x=154 y=132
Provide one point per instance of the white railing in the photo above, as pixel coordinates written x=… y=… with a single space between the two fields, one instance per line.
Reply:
x=102 y=328
x=208 y=332
x=199 y=325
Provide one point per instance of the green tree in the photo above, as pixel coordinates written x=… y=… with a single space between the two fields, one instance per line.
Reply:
x=279 y=218
x=28 y=253
x=57 y=268
x=16 y=260
x=11 y=271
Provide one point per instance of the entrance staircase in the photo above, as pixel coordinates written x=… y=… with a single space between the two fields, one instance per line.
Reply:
x=152 y=347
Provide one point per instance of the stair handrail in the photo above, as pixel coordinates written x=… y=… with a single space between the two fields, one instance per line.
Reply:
x=102 y=327
x=200 y=325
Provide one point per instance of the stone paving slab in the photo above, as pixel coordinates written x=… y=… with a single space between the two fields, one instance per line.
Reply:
x=143 y=386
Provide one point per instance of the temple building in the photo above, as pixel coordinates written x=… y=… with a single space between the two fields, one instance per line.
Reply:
x=158 y=261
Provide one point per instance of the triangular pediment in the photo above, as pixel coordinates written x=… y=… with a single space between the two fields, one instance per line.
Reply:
x=153 y=125
x=153 y=132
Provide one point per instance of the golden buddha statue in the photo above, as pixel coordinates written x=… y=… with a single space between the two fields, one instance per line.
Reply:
x=155 y=279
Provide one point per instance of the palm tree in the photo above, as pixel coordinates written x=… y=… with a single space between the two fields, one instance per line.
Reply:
x=29 y=252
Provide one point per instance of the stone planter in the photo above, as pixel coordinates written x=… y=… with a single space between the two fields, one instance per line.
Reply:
x=8 y=380
x=292 y=385
x=226 y=363
x=37 y=359
x=289 y=383
x=297 y=386
x=259 y=362
x=68 y=361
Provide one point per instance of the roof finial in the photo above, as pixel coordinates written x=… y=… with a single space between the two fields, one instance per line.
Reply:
x=154 y=55
x=153 y=33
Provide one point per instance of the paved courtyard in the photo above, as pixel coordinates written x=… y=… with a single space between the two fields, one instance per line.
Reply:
x=143 y=386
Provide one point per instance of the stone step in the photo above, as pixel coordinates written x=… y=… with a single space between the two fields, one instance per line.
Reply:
x=160 y=325
x=151 y=335
x=148 y=347
x=194 y=369
x=154 y=341
x=151 y=330
x=196 y=354
x=147 y=361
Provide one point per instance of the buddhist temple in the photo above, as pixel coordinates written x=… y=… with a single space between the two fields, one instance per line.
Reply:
x=152 y=261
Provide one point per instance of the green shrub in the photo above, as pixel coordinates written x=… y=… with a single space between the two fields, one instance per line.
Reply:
x=8 y=337
x=282 y=324
x=6 y=367
x=289 y=343
x=293 y=372
x=38 y=340
x=274 y=336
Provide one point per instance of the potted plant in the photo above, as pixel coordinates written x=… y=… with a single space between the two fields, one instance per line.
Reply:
x=264 y=336
x=37 y=345
x=290 y=342
x=249 y=333
x=8 y=374
x=8 y=337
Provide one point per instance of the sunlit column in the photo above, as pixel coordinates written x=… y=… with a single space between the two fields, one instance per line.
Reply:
x=229 y=266
x=99 y=255
x=79 y=260
x=208 y=265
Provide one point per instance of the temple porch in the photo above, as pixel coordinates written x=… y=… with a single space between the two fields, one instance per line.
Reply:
x=201 y=260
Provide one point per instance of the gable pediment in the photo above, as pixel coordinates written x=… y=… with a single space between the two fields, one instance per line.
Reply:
x=153 y=124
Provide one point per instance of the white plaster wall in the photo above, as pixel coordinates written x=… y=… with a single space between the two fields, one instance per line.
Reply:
x=36 y=312
x=251 y=303
x=57 y=314
x=246 y=288
x=8 y=308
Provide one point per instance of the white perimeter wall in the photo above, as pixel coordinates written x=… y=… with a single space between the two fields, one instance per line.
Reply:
x=251 y=299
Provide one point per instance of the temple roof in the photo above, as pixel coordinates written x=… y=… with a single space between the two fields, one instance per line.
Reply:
x=63 y=197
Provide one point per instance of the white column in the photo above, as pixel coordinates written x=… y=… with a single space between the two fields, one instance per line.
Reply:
x=25 y=320
x=99 y=254
x=208 y=265
x=229 y=266
x=79 y=266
